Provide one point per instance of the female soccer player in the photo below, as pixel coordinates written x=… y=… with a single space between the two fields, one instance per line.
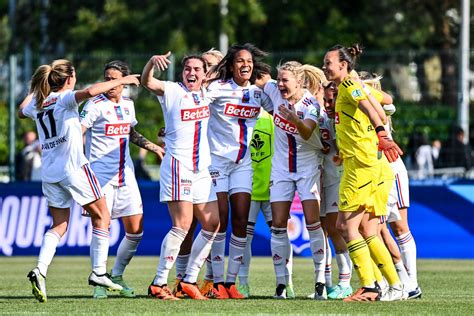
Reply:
x=295 y=166
x=185 y=182
x=235 y=105
x=66 y=175
x=364 y=183
x=109 y=120
x=325 y=92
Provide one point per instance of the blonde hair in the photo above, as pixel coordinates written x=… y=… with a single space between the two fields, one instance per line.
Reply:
x=215 y=53
x=292 y=66
x=371 y=79
x=313 y=78
x=50 y=78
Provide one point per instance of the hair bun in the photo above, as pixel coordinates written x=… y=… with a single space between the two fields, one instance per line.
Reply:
x=355 y=50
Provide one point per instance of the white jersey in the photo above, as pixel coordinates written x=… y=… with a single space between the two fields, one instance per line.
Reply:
x=234 y=111
x=331 y=172
x=107 y=138
x=60 y=135
x=186 y=115
x=292 y=152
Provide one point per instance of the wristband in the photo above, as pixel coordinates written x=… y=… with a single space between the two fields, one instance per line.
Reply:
x=379 y=129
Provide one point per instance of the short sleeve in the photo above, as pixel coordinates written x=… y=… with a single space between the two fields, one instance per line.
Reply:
x=69 y=100
x=378 y=95
x=89 y=114
x=313 y=112
x=354 y=90
x=134 y=121
x=30 y=109
x=170 y=95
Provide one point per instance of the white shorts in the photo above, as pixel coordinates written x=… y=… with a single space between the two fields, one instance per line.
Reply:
x=283 y=185
x=256 y=206
x=329 y=199
x=177 y=183
x=231 y=177
x=399 y=197
x=81 y=186
x=125 y=200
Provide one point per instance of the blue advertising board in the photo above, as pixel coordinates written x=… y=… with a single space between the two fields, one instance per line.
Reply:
x=440 y=218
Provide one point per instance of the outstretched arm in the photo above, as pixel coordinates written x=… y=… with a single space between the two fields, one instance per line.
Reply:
x=148 y=81
x=105 y=86
x=141 y=141
x=23 y=104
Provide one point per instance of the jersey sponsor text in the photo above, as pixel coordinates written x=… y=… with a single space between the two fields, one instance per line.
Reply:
x=119 y=129
x=195 y=114
x=241 y=111
x=283 y=124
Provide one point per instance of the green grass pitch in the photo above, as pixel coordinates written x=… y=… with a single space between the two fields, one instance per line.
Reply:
x=447 y=289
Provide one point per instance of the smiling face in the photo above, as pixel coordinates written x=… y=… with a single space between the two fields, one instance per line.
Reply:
x=112 y=74
x=242 y=67
x=330 y=95
x=193 y=74
x=288 y=84
x=333 y=68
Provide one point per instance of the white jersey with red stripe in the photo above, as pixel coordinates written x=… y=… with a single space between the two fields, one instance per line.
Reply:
x=186 y=115
x=292 y=152
x=234 y=111
x=331 y=172
x=60 y=135
x=107 y=138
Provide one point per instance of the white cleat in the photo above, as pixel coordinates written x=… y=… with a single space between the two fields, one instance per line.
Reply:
x=394 y=294
x=38 y=284
x=104 y=281
x=320 y=292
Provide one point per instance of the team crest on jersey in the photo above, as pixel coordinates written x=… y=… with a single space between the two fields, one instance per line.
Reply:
x=196 y=99
x=314 y=112
x=300 y=115
x=186 y=190
x=257 y=94
x=357 y=93
x=127 y=112
x=245 y=96
x=83 y=113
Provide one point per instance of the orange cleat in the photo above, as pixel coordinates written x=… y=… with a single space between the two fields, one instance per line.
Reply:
x=364 y=294
x=234 y=293
x=206 y=287
x=219 y=291
x=177 y=291
x=161 y=292
x=192 y=291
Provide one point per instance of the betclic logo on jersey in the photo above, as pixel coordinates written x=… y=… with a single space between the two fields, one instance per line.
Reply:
x=119 y=129
x=241 y=111
x=283 y=124
x=195 y=114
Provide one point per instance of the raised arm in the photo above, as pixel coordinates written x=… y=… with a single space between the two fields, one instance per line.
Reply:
x=105 y=86
x=23 y=104
x=148 y=81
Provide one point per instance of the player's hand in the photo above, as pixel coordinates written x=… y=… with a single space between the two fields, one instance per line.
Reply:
x=132 y=79
x=388 y=146
x=337 y=160
x=288 y=114
x=161 y=61
x=160 y=152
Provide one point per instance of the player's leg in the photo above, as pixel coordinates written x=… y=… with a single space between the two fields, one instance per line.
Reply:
x=183 y=258
x=279 y=244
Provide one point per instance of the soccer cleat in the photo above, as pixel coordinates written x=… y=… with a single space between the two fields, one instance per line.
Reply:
x=38 y=284
x=320 y=292
x=280 y=292
x=161 y=292
x=219 y=291
x=394 y=294
x=177 y=291
x=244 y=289
x=364 y=294
x=339 y=292
x=290 y=291
x=233 y=292
x=416 y=293
x=126 y=291
x=99 y=292
x=191 y=290
x=206 y=287
x=104 y=281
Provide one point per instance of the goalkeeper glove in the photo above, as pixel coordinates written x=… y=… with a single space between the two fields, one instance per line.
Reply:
x=387 y=146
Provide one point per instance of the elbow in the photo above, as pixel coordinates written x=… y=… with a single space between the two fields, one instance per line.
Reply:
x=305 y=136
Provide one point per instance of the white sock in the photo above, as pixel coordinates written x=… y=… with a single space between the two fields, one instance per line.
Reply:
x=48 y=248
x=244 y=268
x=403 y=275
x=199 y=253
x=218 y=257
x=289 y=263
x=279 y=246
x=317 y=243
x=328 y=268
x=99 y=250
x=344 y=265
x=236 y=255
x=126 y=251
x=169 y=251
x=407 y=245
x=181 y=265
x=209 y=275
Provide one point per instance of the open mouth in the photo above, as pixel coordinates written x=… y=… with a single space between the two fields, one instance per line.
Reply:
x=192 y=80
x=245 y=71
